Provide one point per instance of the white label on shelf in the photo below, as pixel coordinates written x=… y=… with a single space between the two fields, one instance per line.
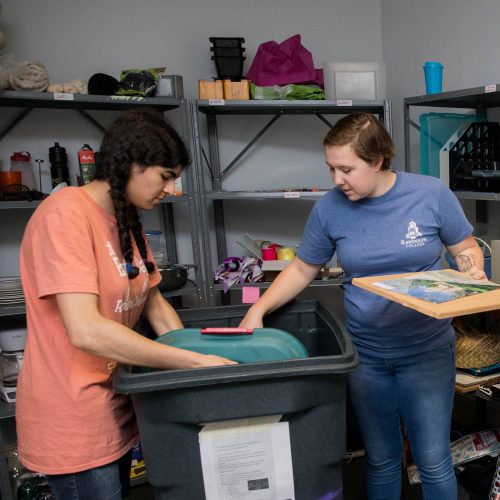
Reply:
x=291 y=194
x=490 y=88
x=216 y=102
x=61 y=96
x=344 y=102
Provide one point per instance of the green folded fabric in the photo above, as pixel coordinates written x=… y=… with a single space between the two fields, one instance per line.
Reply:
x=290 y=92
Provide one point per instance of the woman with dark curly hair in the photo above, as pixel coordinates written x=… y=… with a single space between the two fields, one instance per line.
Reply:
x=88 y=274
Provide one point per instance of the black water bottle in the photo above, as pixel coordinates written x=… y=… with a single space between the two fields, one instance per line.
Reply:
x=59 y=170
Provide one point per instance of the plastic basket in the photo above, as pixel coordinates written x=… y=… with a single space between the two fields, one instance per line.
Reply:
x=227 y=51
x=227 y=41
x=435 y=130
x=229 y=67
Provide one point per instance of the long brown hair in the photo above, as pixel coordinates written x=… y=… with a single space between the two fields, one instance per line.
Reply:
x=366 y=135
x=143 y=137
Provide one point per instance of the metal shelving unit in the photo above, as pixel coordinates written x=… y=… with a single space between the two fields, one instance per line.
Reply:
x=479 y=99
x=7 y=410
x=216 y=195
x=28 y=101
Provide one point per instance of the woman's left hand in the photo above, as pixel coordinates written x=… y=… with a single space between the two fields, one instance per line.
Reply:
x=476 y=274
x=469 y=258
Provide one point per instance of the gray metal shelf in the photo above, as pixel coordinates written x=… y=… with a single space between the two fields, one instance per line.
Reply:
x=216 y=195
x=81 y=102
x=267 y=284
x=15 y=98
x=12 y=310
x=475 y=195
x=175 y=199
x=189 y=288
x=480 y=99
x=235 y=107
x=15 y=205
x=28 y=101
x=265 y=195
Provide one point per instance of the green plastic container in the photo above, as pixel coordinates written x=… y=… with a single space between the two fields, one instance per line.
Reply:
x=435 y=130
x=238 y=344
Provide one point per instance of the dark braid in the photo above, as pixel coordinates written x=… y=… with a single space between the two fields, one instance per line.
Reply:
x=139 y=239
x=139 y=136
x=122 y=210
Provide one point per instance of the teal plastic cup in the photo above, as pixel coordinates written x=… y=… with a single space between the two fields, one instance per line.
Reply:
x=433 y=72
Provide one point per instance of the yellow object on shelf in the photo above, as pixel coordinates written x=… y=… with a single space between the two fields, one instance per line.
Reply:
x=236 y=90
x=286 y=253
x=209 y=89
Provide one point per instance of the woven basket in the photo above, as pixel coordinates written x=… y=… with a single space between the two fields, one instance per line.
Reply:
x=476 y=349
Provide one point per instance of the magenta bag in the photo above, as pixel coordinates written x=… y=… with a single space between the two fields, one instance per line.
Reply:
x=283 y=63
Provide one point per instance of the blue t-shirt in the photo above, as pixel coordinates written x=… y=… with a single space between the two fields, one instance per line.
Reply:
x=399 y=232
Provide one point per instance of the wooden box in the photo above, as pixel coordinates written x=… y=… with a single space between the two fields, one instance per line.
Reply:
x=209 y=89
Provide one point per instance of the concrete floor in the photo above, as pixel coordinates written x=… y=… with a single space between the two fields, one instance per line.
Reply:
x=353 y=483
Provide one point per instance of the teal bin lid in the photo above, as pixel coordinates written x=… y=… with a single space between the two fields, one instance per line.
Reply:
x=238 y=344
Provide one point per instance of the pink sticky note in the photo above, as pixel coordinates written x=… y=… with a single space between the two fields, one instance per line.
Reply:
x=250 y=294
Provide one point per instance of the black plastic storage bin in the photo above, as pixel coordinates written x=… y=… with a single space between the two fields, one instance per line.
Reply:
x=218 y=41
x=227 y=51
x=229 y=67
x=310 y=393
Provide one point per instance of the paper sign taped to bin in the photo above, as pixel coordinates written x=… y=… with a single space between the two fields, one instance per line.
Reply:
x=247 y=459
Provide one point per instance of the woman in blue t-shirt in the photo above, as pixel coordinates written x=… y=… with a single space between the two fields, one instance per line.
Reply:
x=379 y=222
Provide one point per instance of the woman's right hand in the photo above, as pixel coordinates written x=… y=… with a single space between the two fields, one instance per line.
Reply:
x=252 y=320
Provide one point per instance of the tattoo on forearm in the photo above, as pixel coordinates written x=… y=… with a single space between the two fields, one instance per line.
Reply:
x=465 y=262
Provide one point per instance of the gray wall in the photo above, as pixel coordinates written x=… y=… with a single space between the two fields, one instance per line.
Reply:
x=74 y=40
x=78 y=39
x=461 y=34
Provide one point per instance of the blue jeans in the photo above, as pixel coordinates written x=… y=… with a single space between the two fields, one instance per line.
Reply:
x=416 y=391
x=108 y=482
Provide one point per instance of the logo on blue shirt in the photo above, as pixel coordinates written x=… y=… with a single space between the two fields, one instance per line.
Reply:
x=413 y=236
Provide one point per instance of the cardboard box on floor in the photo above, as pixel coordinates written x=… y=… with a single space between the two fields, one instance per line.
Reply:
x=480 y=302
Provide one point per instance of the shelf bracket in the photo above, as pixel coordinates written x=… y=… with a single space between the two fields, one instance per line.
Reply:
x=323 y=119
x=249 y=145
x=414 y=124
x=91 y=119
x=25 y=112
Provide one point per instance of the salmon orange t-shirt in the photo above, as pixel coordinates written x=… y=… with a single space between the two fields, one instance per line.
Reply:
x=68 y=417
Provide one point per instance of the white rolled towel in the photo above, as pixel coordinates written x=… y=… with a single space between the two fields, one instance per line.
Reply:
x=29 y=75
